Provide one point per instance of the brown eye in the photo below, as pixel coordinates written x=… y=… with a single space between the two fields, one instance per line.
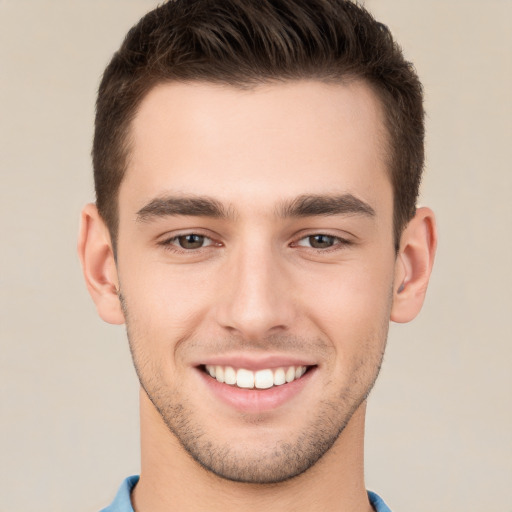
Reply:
x=191 y=241
x=321 y=241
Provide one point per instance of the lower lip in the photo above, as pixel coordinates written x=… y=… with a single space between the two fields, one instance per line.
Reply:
x=256 y=400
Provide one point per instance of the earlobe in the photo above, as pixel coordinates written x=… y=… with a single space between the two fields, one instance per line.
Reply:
x=98 y=265
x=414 y=265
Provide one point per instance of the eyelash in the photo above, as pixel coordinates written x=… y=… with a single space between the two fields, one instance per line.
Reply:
x=172 y=244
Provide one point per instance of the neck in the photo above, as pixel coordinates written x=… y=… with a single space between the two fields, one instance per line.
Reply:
x=172 y=481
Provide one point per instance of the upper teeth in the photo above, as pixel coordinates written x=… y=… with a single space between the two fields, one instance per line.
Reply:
x=261 y=379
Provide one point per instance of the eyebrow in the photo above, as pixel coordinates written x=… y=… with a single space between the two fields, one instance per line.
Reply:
x=325 y=205
x=302 y=206
x=189 y=206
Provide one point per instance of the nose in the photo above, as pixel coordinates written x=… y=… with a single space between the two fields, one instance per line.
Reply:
x=256 y=298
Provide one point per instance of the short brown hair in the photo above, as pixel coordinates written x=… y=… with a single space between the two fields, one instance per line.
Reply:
x=244 y=43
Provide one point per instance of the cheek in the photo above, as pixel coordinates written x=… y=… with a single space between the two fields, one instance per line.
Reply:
x=355 y=303
x=162 y=301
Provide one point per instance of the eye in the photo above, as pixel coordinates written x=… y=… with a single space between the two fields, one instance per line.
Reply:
x=189 y=241
x=321 y=241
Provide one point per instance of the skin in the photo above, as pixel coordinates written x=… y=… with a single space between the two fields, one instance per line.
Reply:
x=264 y=284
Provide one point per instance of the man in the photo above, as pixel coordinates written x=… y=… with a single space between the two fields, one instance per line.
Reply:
x=257 y=165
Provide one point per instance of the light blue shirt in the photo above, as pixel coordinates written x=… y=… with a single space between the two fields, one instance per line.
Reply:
x=122 y=502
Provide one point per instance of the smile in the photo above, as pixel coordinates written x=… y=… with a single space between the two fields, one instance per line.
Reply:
x=260 y=379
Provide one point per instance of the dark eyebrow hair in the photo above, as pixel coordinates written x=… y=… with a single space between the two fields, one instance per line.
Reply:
x=302 y=206
x=311 y=205
x=176 y=205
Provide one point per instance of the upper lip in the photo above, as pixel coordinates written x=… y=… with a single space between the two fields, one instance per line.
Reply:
x=255 y=362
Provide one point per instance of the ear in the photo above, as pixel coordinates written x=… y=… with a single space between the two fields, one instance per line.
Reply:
x=99 y=266
x=413 y=265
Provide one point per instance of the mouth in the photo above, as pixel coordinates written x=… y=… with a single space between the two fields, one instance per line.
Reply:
x=265 y=378
x=257 y=384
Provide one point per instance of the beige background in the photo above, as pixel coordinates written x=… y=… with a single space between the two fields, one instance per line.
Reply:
x=440 y=420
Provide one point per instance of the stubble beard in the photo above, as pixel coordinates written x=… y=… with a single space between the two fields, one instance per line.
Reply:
x=282 y=461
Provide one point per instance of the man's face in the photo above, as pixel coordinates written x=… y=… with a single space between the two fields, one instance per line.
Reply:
x=256 y=242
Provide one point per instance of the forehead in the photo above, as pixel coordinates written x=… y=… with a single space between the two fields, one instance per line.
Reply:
x=268 y=143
